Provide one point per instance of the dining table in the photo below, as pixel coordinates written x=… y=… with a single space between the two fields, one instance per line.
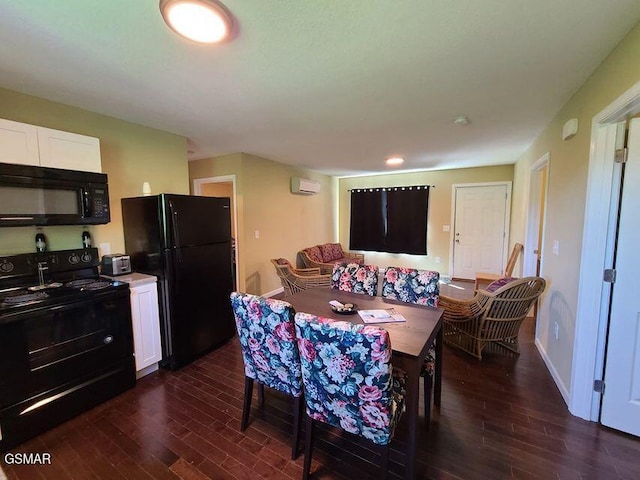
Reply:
x=410 y=342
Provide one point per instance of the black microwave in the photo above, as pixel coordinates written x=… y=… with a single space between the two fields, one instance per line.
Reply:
x=32 y=195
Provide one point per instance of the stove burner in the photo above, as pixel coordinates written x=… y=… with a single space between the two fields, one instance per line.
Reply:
x=96 y=285
x=79 y=283
x=24 y=298
x=85 y=284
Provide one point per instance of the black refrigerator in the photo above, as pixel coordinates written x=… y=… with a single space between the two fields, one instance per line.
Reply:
x=185 y=241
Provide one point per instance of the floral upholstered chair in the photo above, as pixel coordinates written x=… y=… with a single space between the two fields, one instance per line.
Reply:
x=270 y=353
x=356 y=278
x=349 y=381
x=421 y=287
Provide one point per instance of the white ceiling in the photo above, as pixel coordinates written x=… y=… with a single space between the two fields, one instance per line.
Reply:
x=331 y=85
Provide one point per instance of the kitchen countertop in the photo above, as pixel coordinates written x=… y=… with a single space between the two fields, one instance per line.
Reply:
x=134 y=279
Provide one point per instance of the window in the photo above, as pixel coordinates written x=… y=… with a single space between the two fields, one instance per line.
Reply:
x=392 y=219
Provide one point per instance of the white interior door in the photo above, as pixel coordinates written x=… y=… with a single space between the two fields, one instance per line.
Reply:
x=480 y=229
x=621 y=398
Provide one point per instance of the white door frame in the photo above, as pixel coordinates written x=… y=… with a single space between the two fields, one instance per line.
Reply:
x=533 y=217
x=507 y=220
x=591 y=319
x=197 y=190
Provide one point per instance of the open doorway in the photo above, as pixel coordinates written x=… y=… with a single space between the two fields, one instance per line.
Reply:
x=536 y=220
x=224 y=186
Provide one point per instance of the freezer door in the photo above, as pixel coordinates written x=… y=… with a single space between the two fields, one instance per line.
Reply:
x=142 y=234
x=200 y=314
x=192 y=220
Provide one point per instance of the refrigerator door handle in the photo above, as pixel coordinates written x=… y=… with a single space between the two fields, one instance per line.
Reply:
x=174 y=226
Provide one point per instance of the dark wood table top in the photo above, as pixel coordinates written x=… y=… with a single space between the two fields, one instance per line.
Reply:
x=411 y=338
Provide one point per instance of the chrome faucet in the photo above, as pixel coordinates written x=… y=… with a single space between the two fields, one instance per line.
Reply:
x=42 y=267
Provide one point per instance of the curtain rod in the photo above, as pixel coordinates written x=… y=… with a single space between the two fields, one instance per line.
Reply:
x=408 y=187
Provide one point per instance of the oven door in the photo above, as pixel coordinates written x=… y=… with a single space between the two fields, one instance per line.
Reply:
x=42 y=350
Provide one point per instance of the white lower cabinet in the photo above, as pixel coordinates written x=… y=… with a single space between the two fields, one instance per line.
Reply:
x=146 y=326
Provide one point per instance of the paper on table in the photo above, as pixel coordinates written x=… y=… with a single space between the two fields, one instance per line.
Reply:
x=381 y=316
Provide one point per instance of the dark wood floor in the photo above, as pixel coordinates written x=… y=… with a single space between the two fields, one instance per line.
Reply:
x=500 y=418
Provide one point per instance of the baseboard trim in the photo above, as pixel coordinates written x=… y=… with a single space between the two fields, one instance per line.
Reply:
x=554 y=373
x=273 y=293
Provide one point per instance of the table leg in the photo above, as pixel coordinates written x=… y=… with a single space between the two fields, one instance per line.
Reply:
x=413 y=397
x=437 y=383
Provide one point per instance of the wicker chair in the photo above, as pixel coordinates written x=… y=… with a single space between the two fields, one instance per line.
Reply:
x=485 y=278
x=298 y=279
x=489 y=317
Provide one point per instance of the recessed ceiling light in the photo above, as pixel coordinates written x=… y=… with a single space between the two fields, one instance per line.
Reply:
x=461 y=120
x=394 y=161
x=203 y=21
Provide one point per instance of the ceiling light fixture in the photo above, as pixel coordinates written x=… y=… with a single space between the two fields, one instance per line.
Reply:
x=203 y=21
x=461 y=120
x=394 y=161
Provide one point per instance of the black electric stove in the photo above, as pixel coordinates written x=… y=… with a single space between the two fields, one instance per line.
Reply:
x=66 y=340
x=37 y=280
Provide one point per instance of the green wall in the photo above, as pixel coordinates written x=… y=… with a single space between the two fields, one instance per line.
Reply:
x=286 y=222
x=131 y=154
x=567 y=189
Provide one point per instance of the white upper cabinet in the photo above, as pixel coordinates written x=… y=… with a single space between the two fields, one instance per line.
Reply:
x=26 y=144
x=18 y=143
x=68 y=150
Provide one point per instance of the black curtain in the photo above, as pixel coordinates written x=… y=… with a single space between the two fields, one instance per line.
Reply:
x=390 y=220
x=368 y=225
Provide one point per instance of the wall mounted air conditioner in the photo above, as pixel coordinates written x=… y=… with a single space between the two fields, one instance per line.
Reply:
x=304 y=186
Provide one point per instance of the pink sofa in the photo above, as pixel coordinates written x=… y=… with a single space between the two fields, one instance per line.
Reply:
x=325 y=256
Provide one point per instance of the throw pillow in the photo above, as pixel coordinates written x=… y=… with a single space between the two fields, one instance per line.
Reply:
x=326 y=250
x=314 y=254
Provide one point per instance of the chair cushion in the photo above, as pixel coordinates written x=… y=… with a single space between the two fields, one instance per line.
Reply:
x=493 y=286
x=283 y=261
x=314 y=254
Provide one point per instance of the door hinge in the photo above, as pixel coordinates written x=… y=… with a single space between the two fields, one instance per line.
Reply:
x=609 y=275
x=598 y=386
x=620 y=155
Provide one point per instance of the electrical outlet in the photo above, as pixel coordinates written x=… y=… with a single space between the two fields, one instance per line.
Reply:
x=437 y=259
x=256 y=233
x=556 y=330
x=445 y=228
x=105 y=248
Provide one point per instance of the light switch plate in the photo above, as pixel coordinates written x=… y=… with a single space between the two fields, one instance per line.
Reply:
x=445 y=228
